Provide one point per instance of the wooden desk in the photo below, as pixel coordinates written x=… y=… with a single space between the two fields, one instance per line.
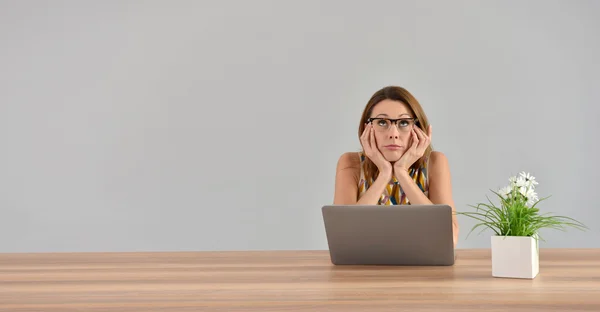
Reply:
x=569 y=280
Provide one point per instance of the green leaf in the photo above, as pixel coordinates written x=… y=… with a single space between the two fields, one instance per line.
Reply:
x=514 y=217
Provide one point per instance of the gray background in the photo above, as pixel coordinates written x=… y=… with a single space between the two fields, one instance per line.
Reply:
x=217 y=125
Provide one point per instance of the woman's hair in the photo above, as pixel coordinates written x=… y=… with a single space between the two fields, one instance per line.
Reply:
x=400 y=94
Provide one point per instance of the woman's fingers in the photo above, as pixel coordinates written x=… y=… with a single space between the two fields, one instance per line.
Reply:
x=415 y=139
x=424 y=139
x=421 y=135
x=364 y=138
x=368 y=143
x=373 y=142
x=365 y=131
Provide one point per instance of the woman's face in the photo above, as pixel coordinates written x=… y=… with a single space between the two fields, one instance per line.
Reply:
x=393 y=123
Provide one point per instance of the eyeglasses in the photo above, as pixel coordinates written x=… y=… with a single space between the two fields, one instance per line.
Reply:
x=384 y=124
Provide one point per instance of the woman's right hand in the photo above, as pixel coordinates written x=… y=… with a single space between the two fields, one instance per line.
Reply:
x=367 y=140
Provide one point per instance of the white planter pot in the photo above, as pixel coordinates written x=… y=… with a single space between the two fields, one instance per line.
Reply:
x=515 y=257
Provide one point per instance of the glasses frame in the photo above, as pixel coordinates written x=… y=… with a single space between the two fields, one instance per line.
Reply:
x=395 y=121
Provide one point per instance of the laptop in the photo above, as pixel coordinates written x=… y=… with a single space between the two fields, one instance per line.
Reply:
x=412 y=235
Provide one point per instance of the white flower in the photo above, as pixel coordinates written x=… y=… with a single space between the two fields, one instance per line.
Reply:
x=529 y=179
x=523 y=190
x=532 y=197
x=523 y=185
x=505 y=191
x=529 y=194
x=526 y=175
x=521 y=182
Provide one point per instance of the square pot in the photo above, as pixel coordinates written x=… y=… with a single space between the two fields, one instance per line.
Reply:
x=515 y=257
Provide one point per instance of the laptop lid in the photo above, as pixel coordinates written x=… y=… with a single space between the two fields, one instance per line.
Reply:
x=389 y=235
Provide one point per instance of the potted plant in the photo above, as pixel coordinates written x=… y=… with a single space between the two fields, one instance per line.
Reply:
x=516 y=223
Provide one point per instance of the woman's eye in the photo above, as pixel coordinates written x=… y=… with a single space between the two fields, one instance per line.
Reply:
x=404 y=123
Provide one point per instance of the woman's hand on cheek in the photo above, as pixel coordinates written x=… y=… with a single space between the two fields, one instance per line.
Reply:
x=420 y=142
x=369 y=145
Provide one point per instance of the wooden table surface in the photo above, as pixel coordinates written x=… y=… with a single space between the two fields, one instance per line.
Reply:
x=569 y=280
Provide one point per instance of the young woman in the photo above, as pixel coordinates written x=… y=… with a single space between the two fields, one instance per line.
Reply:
x=397 y=165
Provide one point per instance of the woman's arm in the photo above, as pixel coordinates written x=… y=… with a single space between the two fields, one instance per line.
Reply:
x=346 y=183
x=440 y=187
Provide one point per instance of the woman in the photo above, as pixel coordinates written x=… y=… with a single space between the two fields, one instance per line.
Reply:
x=396 y=165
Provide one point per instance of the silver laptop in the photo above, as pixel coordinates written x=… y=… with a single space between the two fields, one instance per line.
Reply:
x=389 y=235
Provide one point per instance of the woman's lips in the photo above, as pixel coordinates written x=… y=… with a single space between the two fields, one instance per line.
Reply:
x=393 y=147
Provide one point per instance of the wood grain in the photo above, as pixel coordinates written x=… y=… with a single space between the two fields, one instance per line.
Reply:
x=569 y=279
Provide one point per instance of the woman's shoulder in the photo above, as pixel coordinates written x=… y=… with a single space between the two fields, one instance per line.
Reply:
x=437 y=156
x=349 y=160
x=438 y=161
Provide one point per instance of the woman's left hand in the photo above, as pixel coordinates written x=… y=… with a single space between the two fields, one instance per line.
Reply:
x=420 y=142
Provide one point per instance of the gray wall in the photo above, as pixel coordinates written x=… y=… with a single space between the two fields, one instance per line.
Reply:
x=216 y=125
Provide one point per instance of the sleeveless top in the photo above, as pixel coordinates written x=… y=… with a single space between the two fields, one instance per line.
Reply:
x=393 y=194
